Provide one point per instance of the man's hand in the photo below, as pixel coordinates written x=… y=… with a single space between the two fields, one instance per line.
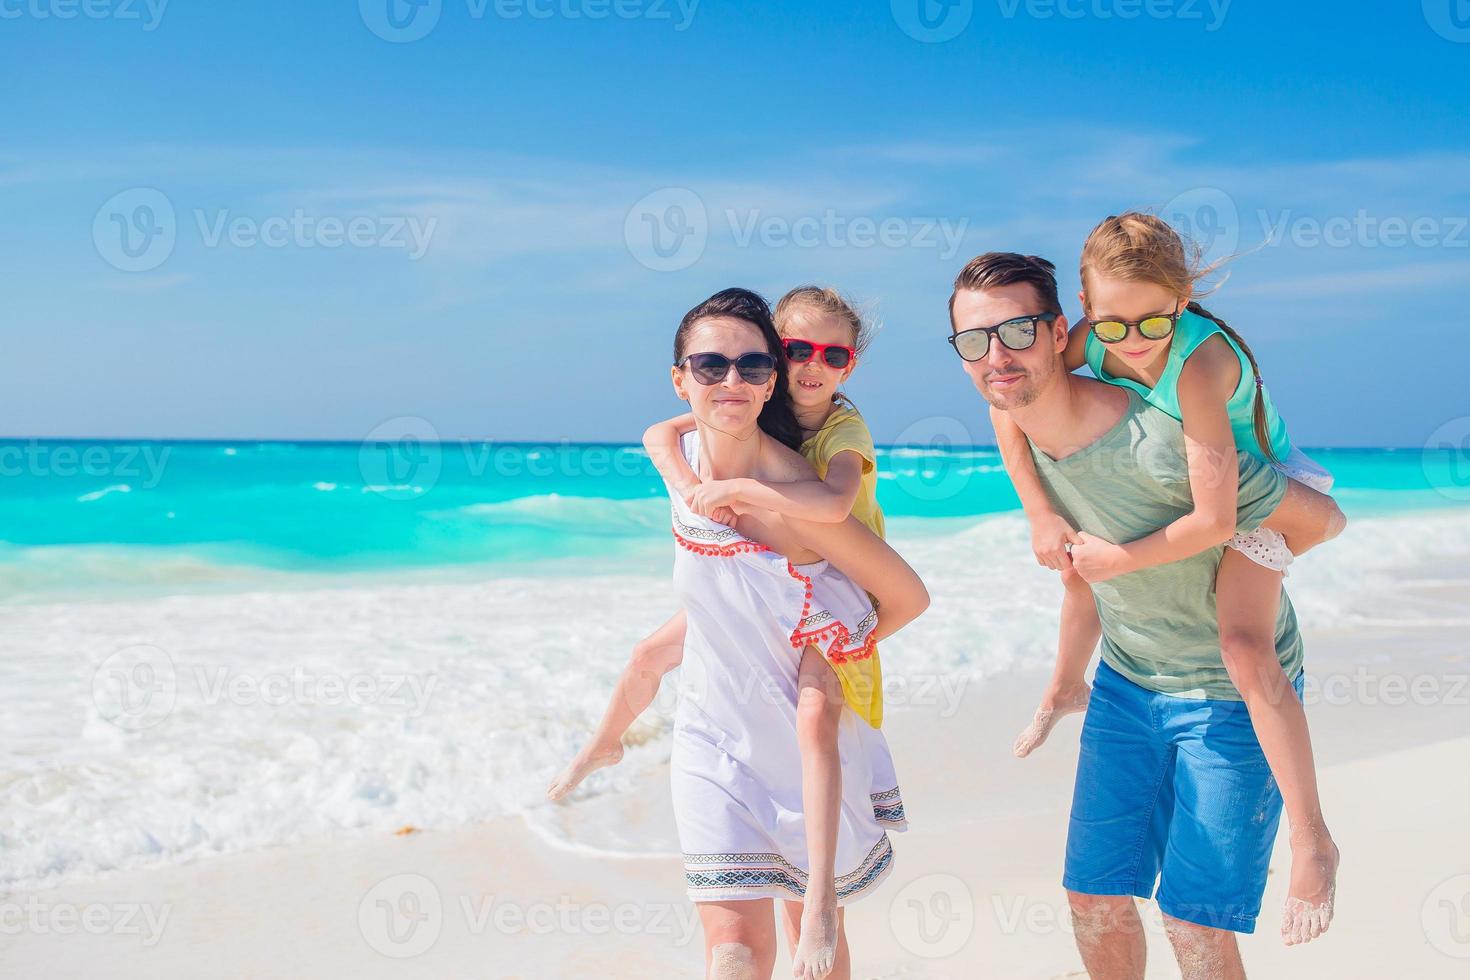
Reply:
x=1050 y=535
x=1098 y=560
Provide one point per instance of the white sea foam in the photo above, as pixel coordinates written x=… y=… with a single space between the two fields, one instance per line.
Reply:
x=294 y=712
x=87 y=498
x=594 y=516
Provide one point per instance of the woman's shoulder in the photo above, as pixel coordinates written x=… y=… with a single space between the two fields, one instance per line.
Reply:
x=780 y=463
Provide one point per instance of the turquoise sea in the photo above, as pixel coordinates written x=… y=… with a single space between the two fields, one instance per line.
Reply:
x=85 y=517
x=218 y=646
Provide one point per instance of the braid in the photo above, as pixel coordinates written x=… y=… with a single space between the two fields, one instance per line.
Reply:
x=1258 y=410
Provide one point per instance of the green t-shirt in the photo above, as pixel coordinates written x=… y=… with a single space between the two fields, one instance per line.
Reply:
x=1159 y=624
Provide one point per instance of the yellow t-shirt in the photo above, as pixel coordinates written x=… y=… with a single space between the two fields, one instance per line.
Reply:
x=845 y=431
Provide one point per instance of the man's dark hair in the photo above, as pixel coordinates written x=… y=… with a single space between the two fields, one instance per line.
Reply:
x=995 y=269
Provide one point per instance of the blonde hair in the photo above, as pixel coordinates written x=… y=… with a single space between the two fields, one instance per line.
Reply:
x=1139 y=247
x=824 y=300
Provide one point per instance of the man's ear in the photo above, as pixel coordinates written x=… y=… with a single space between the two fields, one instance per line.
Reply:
x=1059 y=328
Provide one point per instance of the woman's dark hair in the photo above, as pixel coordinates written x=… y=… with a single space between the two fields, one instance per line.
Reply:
x=778 y=417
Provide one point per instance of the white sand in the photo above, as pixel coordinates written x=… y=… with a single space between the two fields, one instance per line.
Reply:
x=975 y=891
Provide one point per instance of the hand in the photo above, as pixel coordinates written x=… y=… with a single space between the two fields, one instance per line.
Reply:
x=724 y=515
x=1050 y=535
x=1098 y=560
x=707 y=497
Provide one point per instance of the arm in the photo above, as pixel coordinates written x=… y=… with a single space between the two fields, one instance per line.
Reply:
x=1205 y=384
x=823 y=501
x=1076 y=353
x=873 y=565
x=661 y=442
x=1050 y=533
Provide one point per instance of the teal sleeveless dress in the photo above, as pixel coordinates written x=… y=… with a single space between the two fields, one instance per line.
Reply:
x=1191 y=331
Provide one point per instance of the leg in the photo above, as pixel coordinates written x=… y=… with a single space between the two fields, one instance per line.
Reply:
x=739 y=939
x=653 y=657
x=1122 y=806
x=1306 y=518
x=1204 y=953
x=791 y=920
x=1068 y=691
x=1109 y=935
x=818 y=712
x=1247 y=599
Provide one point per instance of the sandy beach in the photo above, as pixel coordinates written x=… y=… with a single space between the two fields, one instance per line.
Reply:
x=975 y=890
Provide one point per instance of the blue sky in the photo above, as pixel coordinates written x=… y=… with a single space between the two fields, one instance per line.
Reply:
x=293 y=220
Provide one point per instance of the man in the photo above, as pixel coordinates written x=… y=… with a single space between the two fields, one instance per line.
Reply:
x=1172 y=784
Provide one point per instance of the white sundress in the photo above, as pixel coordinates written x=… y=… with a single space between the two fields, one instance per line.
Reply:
x=735 y=764
x=1266 y=546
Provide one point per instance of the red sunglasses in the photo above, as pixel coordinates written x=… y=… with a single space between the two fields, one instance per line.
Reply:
x=833 y=355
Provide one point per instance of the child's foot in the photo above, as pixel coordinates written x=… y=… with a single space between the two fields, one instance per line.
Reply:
x=817 y=949
x=588 y=761
x=1055 y=705
x=1308 y=910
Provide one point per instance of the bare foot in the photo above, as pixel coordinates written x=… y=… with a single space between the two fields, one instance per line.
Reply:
x=1308 y=910
x=817 y=948
x=588 y=761
x=1055 y=705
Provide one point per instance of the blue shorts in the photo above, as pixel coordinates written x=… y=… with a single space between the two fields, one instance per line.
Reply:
x=1175 y=790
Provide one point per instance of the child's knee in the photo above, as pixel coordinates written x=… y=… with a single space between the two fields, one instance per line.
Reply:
x=1246 y=651
x=653 y=658
x=817 y=714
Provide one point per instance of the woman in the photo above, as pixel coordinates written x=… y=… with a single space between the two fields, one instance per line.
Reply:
x=757 y=595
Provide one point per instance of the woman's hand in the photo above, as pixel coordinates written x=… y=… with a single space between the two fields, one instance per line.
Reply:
x=1098 y=560
x=1050 y=535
